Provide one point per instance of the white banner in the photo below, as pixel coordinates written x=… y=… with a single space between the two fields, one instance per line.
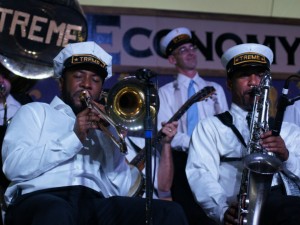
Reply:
x=133 y=39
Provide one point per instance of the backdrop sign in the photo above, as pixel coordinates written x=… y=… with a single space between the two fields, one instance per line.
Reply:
x=134 y=40
x=36 y=30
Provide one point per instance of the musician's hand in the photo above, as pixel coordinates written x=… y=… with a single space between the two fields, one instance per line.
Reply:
x=101 y=120
x=231 y=215
x=85 y=120
x=170 y=130
x=274 y=144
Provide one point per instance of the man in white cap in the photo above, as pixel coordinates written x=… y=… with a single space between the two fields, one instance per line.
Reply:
x=64 y=169
x=179 y=48
x=214 y=165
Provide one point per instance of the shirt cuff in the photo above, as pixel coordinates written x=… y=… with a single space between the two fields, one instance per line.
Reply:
x=71 y=140
x=291 y=162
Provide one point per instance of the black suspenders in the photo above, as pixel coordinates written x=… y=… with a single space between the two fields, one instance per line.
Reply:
x=226 y=119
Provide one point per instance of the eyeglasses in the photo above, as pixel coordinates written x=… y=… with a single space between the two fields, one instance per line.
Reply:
x=184 y=50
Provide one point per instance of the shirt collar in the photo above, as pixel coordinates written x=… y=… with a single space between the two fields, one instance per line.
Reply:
x=183 y=79
x=58 y=104
x=238 y=111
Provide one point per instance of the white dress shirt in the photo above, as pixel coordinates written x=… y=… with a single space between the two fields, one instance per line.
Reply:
x=216 y=184
x=174 y=94
x=41 y=151
x=292 y=113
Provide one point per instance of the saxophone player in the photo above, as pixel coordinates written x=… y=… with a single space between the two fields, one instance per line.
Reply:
x=214 y=165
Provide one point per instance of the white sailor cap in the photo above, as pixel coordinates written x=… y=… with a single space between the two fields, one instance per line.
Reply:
x=174 y=39
x=83 y=53
x=245 y=55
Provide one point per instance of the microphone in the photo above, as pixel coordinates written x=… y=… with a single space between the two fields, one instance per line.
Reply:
x=144 y=74
x=283 y=102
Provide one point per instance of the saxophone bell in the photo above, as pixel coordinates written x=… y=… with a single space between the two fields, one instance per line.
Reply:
x=262 y=163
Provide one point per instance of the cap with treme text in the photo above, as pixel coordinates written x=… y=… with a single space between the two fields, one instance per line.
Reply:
x=83 y=53
x=247 y=55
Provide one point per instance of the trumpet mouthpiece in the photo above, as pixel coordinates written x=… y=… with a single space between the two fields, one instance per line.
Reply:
x=85 y=97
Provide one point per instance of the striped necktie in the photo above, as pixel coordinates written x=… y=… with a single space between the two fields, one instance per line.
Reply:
x=192 y=113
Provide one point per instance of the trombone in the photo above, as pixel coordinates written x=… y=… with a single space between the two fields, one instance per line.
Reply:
x=86 y=98
x=125 y=103
x=124 y=109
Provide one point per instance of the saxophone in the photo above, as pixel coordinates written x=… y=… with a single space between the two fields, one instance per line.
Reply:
x=259 y=164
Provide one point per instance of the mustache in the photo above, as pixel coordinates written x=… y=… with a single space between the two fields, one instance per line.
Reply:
x=253 y=91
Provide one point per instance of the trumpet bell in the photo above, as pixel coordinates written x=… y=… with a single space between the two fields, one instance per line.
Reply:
x=126 y=103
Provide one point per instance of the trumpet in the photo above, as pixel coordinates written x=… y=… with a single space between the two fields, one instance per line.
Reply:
x=86 y=98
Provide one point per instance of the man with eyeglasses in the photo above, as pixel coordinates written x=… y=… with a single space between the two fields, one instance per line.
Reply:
x=179 y=48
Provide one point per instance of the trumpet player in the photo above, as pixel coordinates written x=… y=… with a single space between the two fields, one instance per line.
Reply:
x=9 y=105
x=63 y=168
x=214 y=164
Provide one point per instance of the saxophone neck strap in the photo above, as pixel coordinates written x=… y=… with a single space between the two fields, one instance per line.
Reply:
x=226 y=119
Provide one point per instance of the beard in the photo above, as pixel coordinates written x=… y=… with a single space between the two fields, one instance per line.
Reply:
x=248 y=99
x=69 y=99
x=248 y=105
